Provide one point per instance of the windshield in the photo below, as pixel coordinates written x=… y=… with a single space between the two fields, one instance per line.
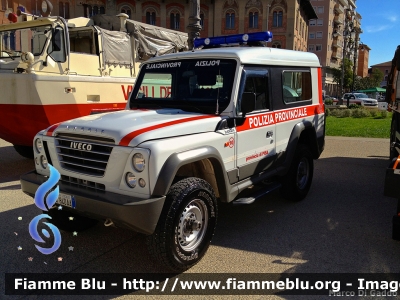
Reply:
x=12 y=43
x=361 y=96
x=191 y=85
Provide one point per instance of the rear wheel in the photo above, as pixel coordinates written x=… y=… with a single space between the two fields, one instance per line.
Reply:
x=25 y=151
x=297 y=182
x=186 y=225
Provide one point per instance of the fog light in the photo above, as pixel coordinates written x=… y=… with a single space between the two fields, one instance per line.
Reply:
x=130 y=179
x=43 y=161
x=142 y=182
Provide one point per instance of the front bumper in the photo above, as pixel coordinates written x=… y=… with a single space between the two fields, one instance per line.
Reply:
x=139 y=215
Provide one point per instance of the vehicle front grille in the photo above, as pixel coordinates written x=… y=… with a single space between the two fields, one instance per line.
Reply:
x=82 y=183
x=86 y=156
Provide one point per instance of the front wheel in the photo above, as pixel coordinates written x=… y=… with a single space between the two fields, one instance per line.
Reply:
x=297 y=182
x=186 y=225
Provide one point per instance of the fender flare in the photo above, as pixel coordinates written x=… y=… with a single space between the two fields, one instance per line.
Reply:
x=294 y=139
x=177 y=160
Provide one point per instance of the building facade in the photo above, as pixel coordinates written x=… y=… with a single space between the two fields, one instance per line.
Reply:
x=287 y=19
x=333 y=36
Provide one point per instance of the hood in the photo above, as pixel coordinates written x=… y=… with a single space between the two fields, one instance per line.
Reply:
x=133 y=127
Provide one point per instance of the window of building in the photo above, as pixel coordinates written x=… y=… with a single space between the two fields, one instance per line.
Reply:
x=63 y=10
x=320 y=10
x=276 y=45
x=3 y=4
x=202 y=21
x=320 y=22
x=277 y=20
x=318 y=47
x=230 y=20
x=312 y=22
x=319 y=34
x=91 y=11
x=174 y=21
x=126 y=10
x=253 y=20
x=311 y=35
x=151 y=18
x=311 y=48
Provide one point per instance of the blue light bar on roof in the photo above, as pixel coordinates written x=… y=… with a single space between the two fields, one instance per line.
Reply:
x=264 y=36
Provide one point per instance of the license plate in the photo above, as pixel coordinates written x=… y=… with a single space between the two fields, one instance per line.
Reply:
x=66 y=200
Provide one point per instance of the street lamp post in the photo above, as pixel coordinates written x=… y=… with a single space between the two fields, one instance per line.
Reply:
x=194 y=26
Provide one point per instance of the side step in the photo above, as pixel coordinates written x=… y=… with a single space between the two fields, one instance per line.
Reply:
x=262 y=192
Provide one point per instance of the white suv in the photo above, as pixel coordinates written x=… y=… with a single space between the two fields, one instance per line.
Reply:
x=360 y=99
x=199 y=128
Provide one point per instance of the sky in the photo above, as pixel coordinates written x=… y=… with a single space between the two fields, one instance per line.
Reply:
x=381 y=28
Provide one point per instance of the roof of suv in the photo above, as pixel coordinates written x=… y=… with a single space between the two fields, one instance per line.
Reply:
x=249 y=55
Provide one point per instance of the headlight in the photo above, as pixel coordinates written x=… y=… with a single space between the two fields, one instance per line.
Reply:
x=38 y=145
x=130 y=179
x=138 y=162
x=43 y=161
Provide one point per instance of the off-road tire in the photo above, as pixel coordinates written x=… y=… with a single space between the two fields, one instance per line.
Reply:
x=61 y=219
x=177 y=242
x=297 y=182
x=25 y=151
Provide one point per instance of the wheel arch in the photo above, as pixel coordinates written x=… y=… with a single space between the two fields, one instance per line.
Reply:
x=203 y=162
x=303 y=132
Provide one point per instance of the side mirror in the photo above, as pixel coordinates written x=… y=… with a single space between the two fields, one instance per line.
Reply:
x=56 y=40
x=248 y=103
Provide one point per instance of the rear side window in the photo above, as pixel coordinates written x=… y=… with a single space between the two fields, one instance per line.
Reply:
x=296 y=86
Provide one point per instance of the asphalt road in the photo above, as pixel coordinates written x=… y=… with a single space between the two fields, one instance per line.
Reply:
x=343 y=226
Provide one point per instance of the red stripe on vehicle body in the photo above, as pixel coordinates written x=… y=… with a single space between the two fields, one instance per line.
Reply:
x=51 y=129
x=278 y=116
x=130 y=136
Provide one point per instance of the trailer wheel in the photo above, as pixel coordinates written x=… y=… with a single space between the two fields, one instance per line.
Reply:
x=61 y=219
x=186 y=225
x=25 y=151
x=297 y=182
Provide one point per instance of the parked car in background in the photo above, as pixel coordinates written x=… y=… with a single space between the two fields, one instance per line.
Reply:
x=358 y=98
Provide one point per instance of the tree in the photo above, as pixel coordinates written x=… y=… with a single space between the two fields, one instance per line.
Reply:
x=348 y=74
x=374 y=80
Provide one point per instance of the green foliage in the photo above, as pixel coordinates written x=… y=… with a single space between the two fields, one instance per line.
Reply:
x=327 y=112
x=341 y=113
x=348 y=74
x=360 y=113
x=384 y=114
x=362 y=127
x=373 y=112
x=374 y=80
x=328 y=101
x=354 y=106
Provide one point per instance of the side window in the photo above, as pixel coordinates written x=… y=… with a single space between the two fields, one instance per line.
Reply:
x=57 y=46
x=259 y=86
x=296 y=86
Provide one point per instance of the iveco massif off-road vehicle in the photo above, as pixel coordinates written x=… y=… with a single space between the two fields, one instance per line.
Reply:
x=231 y=118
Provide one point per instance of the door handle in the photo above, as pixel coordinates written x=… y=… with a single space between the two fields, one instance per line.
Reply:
x=269 y=134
